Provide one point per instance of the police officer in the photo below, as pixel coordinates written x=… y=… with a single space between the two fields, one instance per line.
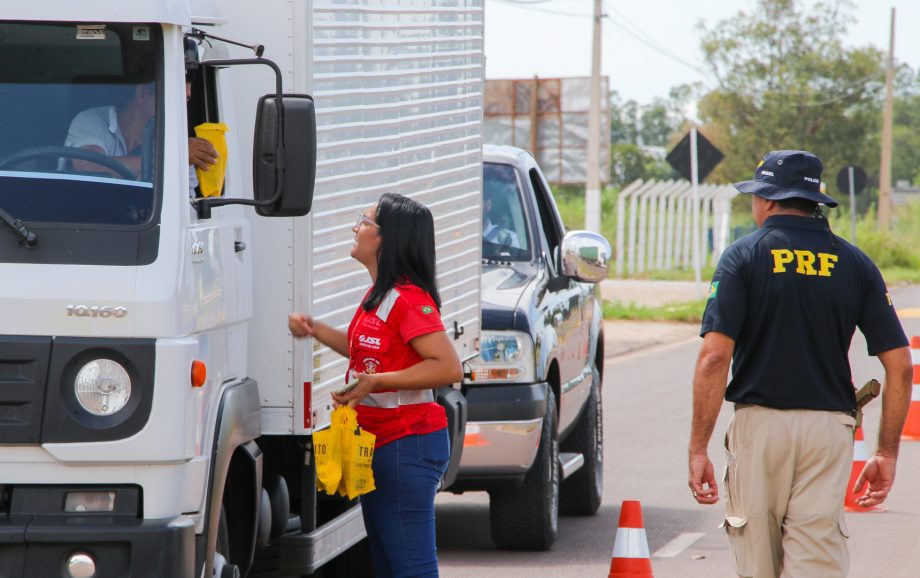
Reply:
x=783 y=306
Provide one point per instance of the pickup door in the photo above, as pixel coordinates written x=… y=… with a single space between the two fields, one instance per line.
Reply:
x=566 y=304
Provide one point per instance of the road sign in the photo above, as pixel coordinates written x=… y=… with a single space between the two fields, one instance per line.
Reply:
x=708 y=156
x=860 y=179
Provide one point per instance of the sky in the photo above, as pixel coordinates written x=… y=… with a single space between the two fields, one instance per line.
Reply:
x=524 y=38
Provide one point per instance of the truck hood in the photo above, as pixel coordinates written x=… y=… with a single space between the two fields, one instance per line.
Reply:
x=502 y=289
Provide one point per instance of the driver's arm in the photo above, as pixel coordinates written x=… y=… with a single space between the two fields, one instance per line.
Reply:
x=132 y=162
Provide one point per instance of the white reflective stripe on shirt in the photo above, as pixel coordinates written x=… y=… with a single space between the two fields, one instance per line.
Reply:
x=386 y=305
x=630 y=543
x=394 y=399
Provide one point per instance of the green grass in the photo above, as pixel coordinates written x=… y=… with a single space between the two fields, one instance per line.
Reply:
x=687 y=312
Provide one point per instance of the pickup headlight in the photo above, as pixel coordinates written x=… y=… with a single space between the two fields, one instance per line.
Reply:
x=102 y=387
x=504 y=357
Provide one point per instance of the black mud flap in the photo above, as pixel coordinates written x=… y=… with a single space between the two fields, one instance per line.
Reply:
x=454 y=404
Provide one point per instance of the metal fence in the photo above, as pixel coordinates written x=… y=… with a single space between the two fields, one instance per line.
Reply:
x=655 y=225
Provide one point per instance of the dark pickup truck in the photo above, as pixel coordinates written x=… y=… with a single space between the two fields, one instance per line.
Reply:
x=533 y=436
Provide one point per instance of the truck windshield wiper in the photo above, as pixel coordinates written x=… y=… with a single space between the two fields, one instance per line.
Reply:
x=28 y=237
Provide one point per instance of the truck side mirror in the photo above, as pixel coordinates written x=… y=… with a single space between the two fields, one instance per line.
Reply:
x=296 y=156
x=585 y=256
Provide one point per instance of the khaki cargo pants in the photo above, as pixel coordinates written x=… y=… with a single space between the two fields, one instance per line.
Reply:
x=785 y=478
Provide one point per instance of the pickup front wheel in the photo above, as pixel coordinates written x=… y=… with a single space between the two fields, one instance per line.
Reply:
x=527 y=518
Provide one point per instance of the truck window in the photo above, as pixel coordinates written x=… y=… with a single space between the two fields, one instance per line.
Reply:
x=548 y=217
x=78 y=142
x=505 y=235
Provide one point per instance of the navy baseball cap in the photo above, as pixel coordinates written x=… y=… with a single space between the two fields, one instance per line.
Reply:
x=786 y=175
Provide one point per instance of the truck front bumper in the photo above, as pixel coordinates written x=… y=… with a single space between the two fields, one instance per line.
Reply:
x=119 y=548
x=502 y=434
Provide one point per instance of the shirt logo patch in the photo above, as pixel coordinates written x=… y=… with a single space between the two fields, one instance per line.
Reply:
x=713 y=289
x=369 y=342
x=371 y=365
x=427 y=309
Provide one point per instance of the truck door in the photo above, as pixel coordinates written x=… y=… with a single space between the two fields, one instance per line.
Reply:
x=565 y=299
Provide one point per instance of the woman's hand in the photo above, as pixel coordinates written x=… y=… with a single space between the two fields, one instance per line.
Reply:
x=367 y=383
x=301 y=325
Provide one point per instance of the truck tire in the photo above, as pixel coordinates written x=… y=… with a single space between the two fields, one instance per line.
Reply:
x=527 y=518
x=581 y=493
x=223 y=568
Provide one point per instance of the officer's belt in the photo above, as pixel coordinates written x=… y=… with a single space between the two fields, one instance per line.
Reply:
x=394 y=399
x=744 y=405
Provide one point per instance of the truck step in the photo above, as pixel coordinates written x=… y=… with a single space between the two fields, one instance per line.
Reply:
x=571 y=462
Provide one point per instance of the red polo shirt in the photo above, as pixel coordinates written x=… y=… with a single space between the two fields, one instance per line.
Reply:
x=378 y=342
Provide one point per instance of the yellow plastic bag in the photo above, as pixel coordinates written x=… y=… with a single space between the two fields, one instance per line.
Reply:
x=328 y=460
x=357 y=447
x=211 y=181
x=344 y=454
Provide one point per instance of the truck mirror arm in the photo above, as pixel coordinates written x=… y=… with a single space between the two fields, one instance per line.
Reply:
x=203 y=206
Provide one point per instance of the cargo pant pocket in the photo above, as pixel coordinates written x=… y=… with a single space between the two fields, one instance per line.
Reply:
x=736 y=530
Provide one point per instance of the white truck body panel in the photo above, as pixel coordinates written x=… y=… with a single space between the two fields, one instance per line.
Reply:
x=398 y=90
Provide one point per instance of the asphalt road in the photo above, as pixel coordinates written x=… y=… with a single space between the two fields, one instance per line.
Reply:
x=647 y=399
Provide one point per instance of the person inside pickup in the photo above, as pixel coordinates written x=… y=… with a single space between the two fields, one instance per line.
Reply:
x=498 y=227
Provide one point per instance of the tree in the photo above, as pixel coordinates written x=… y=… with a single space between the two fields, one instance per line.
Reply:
x=785 y=80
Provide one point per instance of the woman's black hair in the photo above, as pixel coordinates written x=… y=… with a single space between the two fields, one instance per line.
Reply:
x=406 y=250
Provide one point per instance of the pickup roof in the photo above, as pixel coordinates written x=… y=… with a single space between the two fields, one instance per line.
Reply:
x=534 y=429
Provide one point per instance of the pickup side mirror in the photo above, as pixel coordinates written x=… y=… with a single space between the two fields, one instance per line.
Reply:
x=585 y=256
x=295 y=157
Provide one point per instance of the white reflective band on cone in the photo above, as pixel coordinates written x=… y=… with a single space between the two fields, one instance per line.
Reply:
x=915 y=393
x=915 y=356
x=630 y=543
x=860 y=453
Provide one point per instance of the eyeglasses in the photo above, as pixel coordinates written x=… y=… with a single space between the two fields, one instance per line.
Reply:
x=362 y=219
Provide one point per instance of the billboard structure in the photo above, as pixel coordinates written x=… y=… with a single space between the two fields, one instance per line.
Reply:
x=558 y=108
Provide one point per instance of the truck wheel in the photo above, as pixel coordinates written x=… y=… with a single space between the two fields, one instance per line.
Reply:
x=527 y=518
x=581 y=493
x=222 y=566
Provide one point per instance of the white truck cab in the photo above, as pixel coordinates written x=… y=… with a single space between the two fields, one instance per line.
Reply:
x=155 y=413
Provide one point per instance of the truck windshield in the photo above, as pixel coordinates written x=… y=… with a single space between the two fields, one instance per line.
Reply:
x=504 y=225
x=78 y=125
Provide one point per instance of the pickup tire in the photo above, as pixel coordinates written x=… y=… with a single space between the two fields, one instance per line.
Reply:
x=581 y=493
x=527 y=518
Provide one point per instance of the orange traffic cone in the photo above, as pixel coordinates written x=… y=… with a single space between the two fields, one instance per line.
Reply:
x=630 y=549
x=860 y=457
x=911 y=429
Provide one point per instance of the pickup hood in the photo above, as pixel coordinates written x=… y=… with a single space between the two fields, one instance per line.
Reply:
x=505 y=288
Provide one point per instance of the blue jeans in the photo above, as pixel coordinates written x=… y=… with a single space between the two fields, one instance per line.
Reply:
x=399 y=514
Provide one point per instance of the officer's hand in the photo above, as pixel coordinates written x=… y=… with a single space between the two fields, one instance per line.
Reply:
x=201 y=153
x=702 y=481
x=300 y=325
x=879 y=473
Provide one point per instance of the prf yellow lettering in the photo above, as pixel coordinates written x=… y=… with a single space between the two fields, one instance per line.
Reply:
x=781 y=258
x=804 y=261
x=827 y=263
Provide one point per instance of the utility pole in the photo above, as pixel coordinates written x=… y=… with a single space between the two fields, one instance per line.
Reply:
x=884 y=180
x=593 y=177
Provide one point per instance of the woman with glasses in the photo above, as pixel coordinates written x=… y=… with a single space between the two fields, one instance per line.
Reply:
x=398 y=352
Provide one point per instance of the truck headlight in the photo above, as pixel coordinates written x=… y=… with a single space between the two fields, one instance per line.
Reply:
x=102 y=387
x=504 y=356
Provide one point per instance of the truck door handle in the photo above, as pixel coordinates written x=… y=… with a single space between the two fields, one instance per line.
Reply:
x=239 y=246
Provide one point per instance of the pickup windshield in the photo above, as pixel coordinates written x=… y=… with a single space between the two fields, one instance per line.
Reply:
x=78 y=125
x=504 y=225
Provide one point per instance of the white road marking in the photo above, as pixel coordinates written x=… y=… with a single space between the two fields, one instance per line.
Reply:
x=678 y=545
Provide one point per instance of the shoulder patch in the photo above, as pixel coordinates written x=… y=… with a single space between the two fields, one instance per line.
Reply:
x=713 y=289
x=427 y=309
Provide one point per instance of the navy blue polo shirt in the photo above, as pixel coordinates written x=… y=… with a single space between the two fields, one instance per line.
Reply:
x=791 y=296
